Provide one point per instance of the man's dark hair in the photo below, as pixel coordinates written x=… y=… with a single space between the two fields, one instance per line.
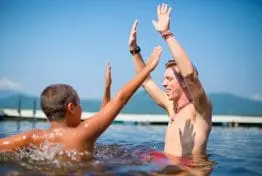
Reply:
x=55 y=98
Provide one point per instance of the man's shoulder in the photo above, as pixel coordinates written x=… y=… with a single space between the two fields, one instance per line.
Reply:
x=38 y=134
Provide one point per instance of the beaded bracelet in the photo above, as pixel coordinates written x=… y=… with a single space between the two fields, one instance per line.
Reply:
x=167 y=35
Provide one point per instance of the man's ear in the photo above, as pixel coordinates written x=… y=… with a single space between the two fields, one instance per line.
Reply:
x=70 y=108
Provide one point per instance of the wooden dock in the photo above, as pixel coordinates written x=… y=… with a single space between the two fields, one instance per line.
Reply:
x=217 y=120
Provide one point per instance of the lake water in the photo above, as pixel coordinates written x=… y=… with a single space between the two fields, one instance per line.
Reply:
x=123 y=149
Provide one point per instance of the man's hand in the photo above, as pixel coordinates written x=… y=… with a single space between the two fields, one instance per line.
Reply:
x=163 y=14
x=108 y=75
x=132 y=38
x=154 y=58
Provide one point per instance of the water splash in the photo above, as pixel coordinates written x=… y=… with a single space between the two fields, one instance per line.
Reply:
x=50 y=158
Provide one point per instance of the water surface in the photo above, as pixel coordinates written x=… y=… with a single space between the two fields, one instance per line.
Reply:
x=123 y=149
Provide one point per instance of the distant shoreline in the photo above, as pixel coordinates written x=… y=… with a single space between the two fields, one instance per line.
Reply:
x=133 y=113
x=144 y=119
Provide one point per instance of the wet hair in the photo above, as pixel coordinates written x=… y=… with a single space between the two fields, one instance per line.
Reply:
x=55 y=98
x=171 y=63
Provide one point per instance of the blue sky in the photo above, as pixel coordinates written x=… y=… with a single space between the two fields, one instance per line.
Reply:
x=65 y=41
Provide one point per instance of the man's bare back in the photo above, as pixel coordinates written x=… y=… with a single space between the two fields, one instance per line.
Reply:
x=67 y=139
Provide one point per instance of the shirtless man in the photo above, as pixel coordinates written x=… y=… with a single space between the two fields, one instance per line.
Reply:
x=61 y=105
x=184 y=98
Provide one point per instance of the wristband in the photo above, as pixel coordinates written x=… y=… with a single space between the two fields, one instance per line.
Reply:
x=135 y=50
x=167 y=35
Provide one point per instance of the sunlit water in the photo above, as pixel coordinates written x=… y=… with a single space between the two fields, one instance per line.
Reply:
x=124 y=150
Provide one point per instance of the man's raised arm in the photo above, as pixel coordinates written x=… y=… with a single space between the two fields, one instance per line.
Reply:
x=150 y=86
x=200 y=99
x=93 y=128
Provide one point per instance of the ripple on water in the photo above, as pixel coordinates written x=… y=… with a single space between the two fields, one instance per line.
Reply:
x=110 y=159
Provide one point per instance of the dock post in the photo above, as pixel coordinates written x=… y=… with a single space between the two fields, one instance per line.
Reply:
x=34 y=108
x=19 y=105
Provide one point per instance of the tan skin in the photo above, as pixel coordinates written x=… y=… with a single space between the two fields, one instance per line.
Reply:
x=71 y=133
x=108 y=78
x=184 y=100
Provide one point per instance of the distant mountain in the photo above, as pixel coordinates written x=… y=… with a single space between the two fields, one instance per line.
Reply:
x=225 y=103
x=141 y=103
x=19 y=100
x=28 y=102
x=8 y=93
x=91 y=105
